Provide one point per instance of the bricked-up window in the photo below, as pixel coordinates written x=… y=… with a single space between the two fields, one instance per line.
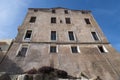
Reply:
x=102 y=49
x=53 y=49
x=87 y=21
x=66 y=11
x=28 y=35
x=71 y=35
x=53 y=11
x=67 y=20
x=95 y=36
x=22 y=51
x=32 y=19
x=74 y=49
x=53 y=35
x=53 y=20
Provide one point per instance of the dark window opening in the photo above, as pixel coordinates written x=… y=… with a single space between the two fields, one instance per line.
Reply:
x=60 y=21
x=35 y=10
x=53 y=11
x=53 y=35
x=68 y=21
x=53 y=49
x=33 y=19
x=74 y=49
x=0 y=49
x=101 y=49
x=28 y=35
x=71 y=35
x=53 y=20
x=95 y=36
x=84 y=12
x=66 y=11
x=22 y=52
x=87 y=21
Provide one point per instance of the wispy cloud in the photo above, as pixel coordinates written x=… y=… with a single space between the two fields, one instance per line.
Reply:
x=9 y=12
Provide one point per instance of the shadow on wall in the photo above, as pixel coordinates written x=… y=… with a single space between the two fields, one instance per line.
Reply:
x=48 y=72
x=9 y=66
x=1 y=56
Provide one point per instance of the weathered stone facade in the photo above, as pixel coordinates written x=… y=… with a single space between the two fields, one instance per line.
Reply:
x=4 y=47
x=88 y=59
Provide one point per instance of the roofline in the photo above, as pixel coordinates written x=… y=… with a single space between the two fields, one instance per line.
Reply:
x=58 y=8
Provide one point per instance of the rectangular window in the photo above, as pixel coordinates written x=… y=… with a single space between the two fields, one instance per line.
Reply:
x=53 y=49
x=0 y=49
x=74 y=49
x=71 y=35
x=102 y=49
x=95 y=36
x=87 y=21
x=35 y=10
x=61 y=21
x=66 y=11
x=53 y=11
x=68 y=21
x=28 y=35
x=53 y=35
x=53 y=20
x=84 y=12
x=22 y=51
x=32 y=19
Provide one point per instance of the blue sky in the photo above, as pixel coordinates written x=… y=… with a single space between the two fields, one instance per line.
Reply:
x=106 y=13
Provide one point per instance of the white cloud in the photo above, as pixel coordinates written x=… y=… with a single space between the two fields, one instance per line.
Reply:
x=9 y=12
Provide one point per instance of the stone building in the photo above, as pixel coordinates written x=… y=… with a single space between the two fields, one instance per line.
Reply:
x=69 y=40
x=4 y=47
x=5 y=44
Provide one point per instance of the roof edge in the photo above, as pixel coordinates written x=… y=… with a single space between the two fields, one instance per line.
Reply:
x=58 y=8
